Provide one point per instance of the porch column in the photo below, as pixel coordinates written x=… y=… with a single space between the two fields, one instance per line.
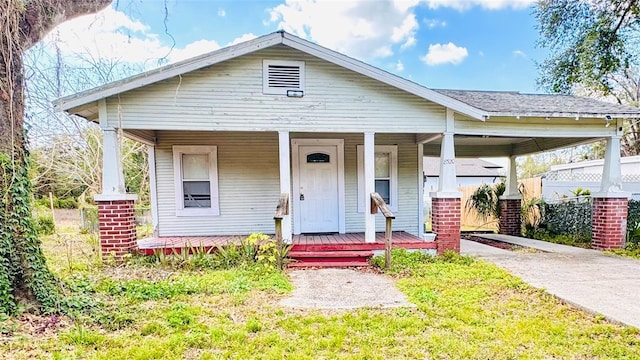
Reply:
x=369 y=187
x=153 y=188
x=285 y=181
x=420 y=179
x=116 y=214
x=610 y=205
x=511 y=203
x=445 y=203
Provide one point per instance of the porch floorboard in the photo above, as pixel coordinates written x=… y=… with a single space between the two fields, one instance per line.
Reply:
x=311 y=242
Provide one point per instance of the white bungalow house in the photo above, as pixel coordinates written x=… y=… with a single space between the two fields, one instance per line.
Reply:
x=230 y=131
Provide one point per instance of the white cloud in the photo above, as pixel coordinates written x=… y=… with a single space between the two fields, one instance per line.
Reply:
x=361 y=28
x=222 y=12
x=399 y=66
x=243 y=38
x=434 y=23
x=487 y=4
x=111 y=34
x=442 y=54
x=519 y=53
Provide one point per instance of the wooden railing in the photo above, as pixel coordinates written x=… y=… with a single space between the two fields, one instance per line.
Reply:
x=377 y=203
x=281 y=210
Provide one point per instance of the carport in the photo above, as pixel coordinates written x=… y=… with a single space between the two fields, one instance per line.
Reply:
x=520 y=124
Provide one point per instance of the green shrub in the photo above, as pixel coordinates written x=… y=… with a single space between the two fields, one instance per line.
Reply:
x=45 y=224
x=568 y=218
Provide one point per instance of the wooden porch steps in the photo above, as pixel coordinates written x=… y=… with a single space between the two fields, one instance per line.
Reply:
x=324 y=265
x=344 y=257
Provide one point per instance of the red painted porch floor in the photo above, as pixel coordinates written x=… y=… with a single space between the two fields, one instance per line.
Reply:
x=313 y=243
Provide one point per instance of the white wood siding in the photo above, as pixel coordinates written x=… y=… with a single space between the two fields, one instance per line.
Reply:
x=248 y=175
x=228 y=97
x=534 y=127
x=248 y=183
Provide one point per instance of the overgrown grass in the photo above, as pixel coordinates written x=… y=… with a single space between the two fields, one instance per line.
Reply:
x=465 y=309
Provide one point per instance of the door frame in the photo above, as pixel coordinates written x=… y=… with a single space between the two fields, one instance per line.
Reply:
x=295 y=165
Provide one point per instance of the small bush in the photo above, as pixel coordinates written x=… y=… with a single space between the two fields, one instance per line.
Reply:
x=568 y=218
x=45 y=224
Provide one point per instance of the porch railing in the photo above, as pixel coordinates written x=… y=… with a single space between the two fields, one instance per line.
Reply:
x=281 y=210
x=377 y=203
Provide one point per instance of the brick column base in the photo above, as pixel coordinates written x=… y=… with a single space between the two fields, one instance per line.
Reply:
x=117 y=224
x=510 y=217
x=609 y=223
x=445 y=220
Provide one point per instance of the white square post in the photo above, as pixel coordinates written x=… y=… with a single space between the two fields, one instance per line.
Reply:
x=369 y=187
x=285 y=181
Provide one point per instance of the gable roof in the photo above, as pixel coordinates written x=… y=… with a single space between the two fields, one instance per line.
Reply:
x=77 y=102
x=465 y=167
x=513 y=103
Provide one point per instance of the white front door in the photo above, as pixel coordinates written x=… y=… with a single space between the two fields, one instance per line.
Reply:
x=318 y=193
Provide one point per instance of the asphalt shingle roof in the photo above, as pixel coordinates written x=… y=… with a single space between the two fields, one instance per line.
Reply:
x=514 y=103
x=465 y=167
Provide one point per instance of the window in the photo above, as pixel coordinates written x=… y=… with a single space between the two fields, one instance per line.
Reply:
x=196 y=180
x=318 y=158
x=280 y=76
x=386 y=175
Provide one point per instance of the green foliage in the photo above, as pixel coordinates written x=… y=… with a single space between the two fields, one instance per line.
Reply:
x=632 y=247
x=589 y=42
x=45 y=224
x=257 y=248
x=581 y=192
x=180 y=316
x=23 y=267
x=58 y=203
x=485 y=201
x=405 y=262
x=570 y=218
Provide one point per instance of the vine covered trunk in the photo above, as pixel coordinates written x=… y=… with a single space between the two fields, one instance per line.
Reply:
x=24 y=275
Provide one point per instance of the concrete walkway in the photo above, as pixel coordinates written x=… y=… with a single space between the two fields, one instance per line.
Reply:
x=343 y=289
x=588 y=279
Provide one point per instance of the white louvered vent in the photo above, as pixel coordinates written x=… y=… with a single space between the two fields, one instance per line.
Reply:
x=279 y=76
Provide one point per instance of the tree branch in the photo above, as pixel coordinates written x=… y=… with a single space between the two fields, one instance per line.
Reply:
x=42 y=16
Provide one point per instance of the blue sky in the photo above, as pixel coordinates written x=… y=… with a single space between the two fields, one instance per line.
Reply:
x=464 y=44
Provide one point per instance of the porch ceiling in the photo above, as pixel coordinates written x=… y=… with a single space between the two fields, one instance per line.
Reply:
x=495 y=146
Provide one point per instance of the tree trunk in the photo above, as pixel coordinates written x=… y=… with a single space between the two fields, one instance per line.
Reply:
x=24 y=275
x=23 y=271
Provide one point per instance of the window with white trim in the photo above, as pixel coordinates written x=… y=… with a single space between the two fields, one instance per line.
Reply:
x=196 y=180
x=386 y=175
x=280 y=76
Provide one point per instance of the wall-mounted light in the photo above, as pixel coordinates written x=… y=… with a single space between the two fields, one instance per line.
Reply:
x=547 y=118
x=608 y=118
x=295 y=93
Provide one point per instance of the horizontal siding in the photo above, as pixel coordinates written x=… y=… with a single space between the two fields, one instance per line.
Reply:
x=228 y=97
x=534 y=127
x=248 y=175
x=248 y=179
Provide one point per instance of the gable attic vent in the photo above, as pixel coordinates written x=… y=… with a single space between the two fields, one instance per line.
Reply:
x=279 y=76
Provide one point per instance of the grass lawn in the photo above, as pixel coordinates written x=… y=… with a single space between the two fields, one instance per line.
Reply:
x=465 y=309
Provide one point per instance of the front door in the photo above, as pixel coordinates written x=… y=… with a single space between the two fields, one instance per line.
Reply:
x=318 y=197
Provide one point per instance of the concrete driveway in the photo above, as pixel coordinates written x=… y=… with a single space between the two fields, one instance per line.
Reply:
x=599 y=283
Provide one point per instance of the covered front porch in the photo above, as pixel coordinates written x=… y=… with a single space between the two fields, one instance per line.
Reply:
x=316 y=242
x=316 y=250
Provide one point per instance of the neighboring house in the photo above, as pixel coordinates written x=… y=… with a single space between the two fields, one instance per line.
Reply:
x=560 y=180
x=469 y=171
x=230 y=131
